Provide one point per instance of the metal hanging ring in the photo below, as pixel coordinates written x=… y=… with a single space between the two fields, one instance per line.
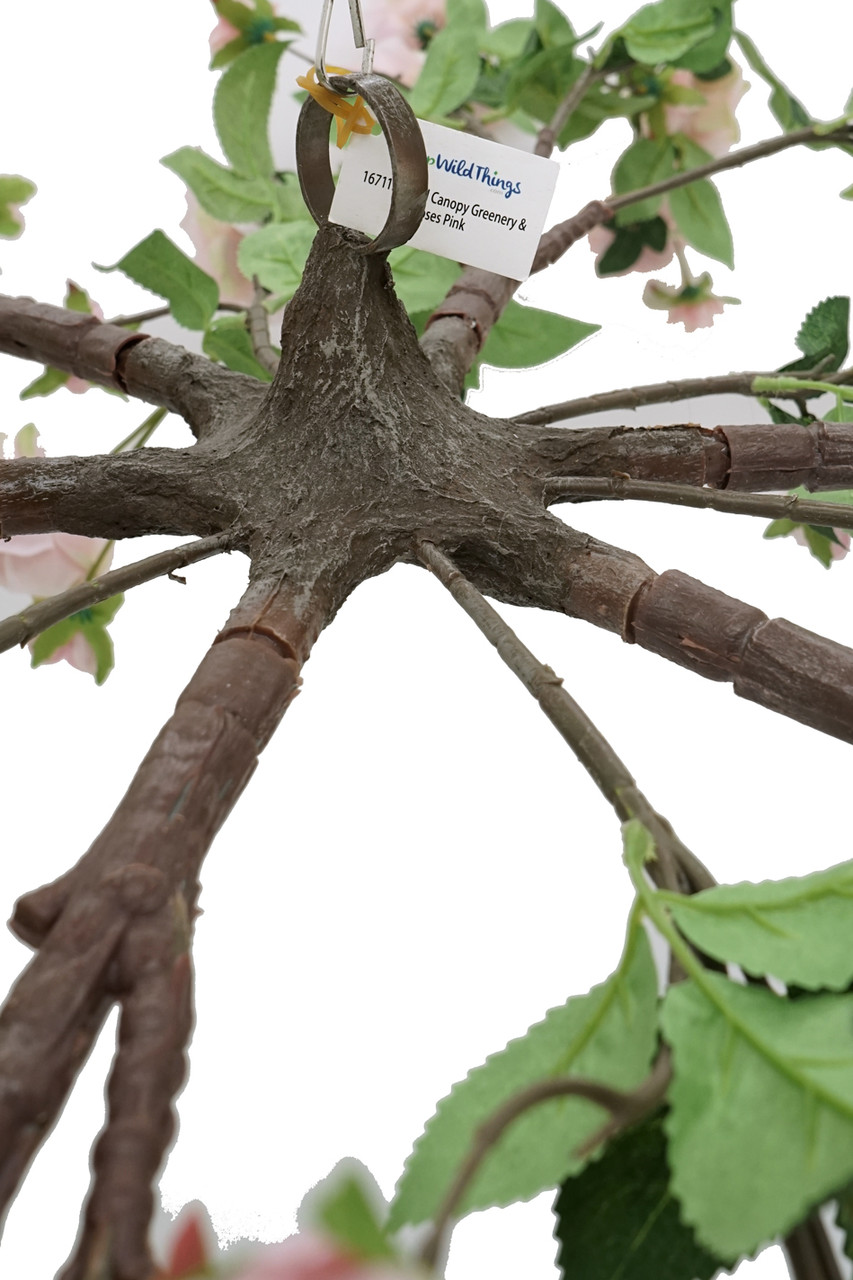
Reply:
x=410 y=175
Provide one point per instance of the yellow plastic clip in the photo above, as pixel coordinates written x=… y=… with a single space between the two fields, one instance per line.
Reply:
x=351 y=117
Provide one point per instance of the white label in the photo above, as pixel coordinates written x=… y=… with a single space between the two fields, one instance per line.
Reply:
x=486 y=205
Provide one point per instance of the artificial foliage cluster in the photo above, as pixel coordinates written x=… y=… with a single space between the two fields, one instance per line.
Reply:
x=682 y=1129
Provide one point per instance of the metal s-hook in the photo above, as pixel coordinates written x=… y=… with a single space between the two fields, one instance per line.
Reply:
x=357 y=35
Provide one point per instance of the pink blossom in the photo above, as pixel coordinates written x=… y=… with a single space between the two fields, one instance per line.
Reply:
x=402 y=30
x=223 y=33
x=691 y=303
x=216 y=245
x=308 y=1256
x=711 y=124
x=43 y=564
x=696 y=315
x=601 y=238
x=77 y=652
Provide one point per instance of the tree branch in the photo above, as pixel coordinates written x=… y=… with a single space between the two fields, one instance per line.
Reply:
x=664 y=393
x=625 y=1108
x=547 y=137
x=257 y=322
x=770 y=506
x=809 y=1253
x=35 y=618
x=156 y=313
x=679 y=868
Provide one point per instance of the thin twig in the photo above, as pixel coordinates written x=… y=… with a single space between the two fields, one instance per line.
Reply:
x=667 y=392
x=257 y=323
x=139 y=317
x=35 y=618
x=770 y=506
x=678 y=867
x=547 y=137
x=625 y=1109
x=561 y=237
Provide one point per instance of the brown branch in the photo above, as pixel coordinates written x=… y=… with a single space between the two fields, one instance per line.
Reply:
x=203 y=393
x=626 y=1108
x=773 y=507
x=809 y=1252
x=117 y=926
x=666 y=393
x=156 y=313
x=745 y=458
x=547 y=137
x=678 y=867
x=561 y=237
x=257 y=323
x=35 y=618
x=122 y=495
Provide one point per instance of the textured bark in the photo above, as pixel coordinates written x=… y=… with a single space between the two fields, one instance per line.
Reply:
x=355 y=455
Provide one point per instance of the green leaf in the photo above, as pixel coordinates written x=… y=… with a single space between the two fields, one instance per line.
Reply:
x=539 y=84
x=276 y=255
x=227 y=341
x=348 y=1215
x=847 y=193
x=46 y=383
x=602 y=102
x=241 y=107
x=77 y=299
x=761 y=1126
x=698 y=210
x=844 y=1218
x=46 y=644
x=629 y=242
x=448 y=77
x=466 y=16
x=824 y=332
x=101 y=643
x=421 y=280
x=226 y=55
x=159 y=265
x=225 y=195
x=618 y=1220
x=508 y=40
x=787 y=109
x=14 y=191
x=664 y=31
x=711 y=53
x=526 y=336
x=643 y=163
x=552 y=26
x=608 y=1035
x=797 y=929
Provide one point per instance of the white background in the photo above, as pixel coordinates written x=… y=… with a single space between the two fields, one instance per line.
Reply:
x=419 y=869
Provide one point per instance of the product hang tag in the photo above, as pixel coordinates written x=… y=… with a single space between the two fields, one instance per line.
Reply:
x=486 y=206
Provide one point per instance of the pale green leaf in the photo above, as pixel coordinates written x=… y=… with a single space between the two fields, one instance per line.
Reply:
x=797 y=929
x=698 y=210
x=276 y=255
x=228 y=342
x=608 y=1035
x=241 y=107
x=14 y=191
x=348 y=1215
x=664 y=31
x=507 y=41
x=224 y=194
x=761 y=1121
x=46 y=383
x=448 y=77
x=421 y=280
x=787 y=109
x=644 y=162
x=526 y=336
x=552 y=25
x=159 y=265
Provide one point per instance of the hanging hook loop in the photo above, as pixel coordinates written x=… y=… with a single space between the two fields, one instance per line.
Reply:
x=358 y=39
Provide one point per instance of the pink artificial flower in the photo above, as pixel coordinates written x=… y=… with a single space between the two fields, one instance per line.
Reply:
x=77 y=653
x=711 y=124
x=691 y=304
x=601 y=238
x=216 y=245
x=223 y=33
x=402 y=30
x=836 y=551
x=308 y=1256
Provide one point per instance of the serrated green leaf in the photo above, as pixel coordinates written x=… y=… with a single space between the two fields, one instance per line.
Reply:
x=552 y=26
x=787 y=109
x=421 y=280
x=796 y=929
x=761 y=1125
x=644 y=162
x=348 y=1216
x=698 y=210
x=159 y=265
x=226 y=195
x=825 y=331
x=241 y=107
x=276 y=255
x=46 y=383
x=618 y=1220
x=608 y=1035
x=227 y=341
x=526 y=336
x=709 y=54
x=448 y=76
x=664 y=31
x=14 y=191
